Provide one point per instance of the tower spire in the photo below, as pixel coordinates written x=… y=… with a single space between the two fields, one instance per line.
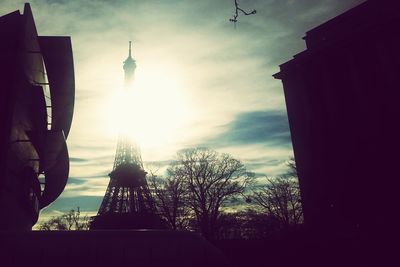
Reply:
x=129 y=67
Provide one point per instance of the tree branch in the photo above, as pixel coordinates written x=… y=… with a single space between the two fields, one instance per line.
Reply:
x=234 y=19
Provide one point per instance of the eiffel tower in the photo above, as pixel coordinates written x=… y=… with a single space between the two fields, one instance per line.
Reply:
x=127 y=203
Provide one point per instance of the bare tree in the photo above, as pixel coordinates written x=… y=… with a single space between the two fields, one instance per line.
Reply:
x=280 y=197
x=247 y=224
x=55 y=223
x=211 y=179
x=71 y=220
x=292 y=172
x=170 y=194
x=234 y=19
x=74 y=220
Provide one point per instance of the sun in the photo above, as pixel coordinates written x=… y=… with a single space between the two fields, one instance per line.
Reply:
x=154 y=111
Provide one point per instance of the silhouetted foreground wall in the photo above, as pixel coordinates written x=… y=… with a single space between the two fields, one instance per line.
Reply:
x=343 y=109
x=107 y=248
x=168 y=248
x=299 y=251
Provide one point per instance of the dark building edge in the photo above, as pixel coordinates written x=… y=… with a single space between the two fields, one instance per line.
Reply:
x=341 y=98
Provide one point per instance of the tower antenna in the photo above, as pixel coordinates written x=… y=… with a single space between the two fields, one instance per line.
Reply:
x=130 y=44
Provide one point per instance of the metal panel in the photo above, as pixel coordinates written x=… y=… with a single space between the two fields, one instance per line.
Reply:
x=56 y=163
x=57 y=55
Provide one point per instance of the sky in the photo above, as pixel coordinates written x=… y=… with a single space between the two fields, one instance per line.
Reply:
x=200 y=81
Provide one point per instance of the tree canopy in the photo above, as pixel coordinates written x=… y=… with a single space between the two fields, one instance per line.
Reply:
x=72 y=220
x=210 y=179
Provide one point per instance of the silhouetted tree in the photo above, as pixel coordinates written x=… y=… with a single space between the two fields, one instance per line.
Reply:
x=229 y=226
x=292 y=172
x=210 y=179
x=55 y=223
x=71 y=220
x=170 y=194
x=247 y=224
x=280 y=197
x=259 y=225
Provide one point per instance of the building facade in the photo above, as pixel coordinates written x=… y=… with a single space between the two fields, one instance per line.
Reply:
x=342 y=103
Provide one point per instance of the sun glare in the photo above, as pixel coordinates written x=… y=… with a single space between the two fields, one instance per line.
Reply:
x=153 y=112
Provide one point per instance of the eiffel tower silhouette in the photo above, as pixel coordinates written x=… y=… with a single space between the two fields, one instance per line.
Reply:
x=128 y=203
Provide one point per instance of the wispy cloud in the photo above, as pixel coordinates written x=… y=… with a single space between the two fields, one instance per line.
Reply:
x=222 y=75
x=258 y=127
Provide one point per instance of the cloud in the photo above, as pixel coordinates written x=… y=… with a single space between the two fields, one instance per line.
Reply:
x=269 y=127
x=73 y=180
x=222 y=74
x=77 y=160
x=85 y=204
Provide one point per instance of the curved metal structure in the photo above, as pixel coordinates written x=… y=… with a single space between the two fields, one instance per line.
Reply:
x=57 y=55
x=37 y=102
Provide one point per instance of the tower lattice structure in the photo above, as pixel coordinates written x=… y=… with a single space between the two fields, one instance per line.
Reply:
x=127 y=203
